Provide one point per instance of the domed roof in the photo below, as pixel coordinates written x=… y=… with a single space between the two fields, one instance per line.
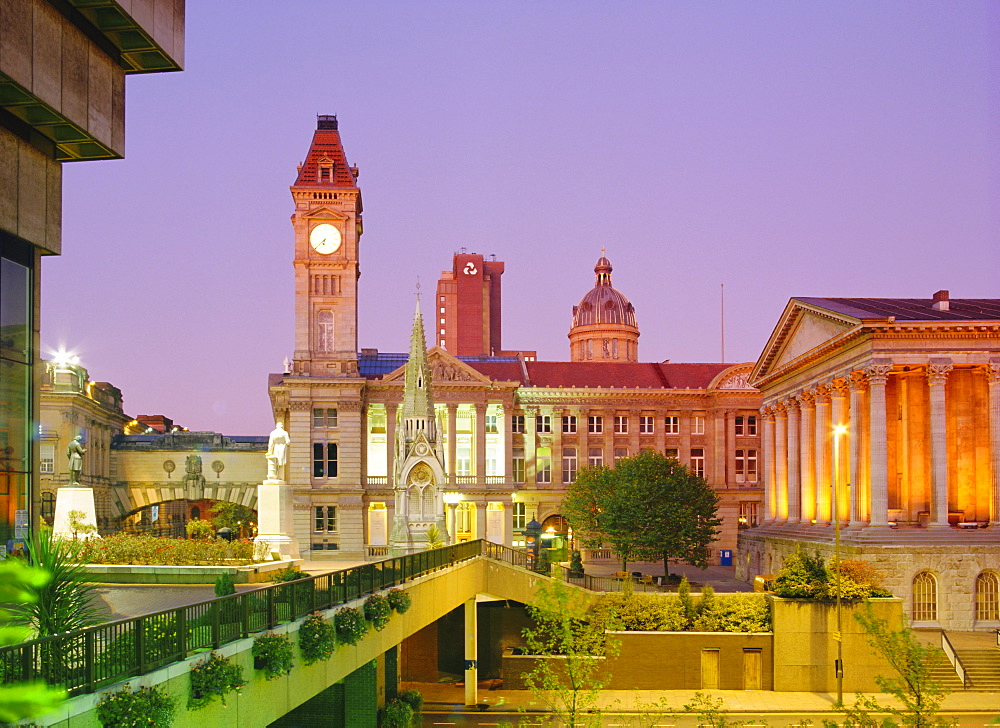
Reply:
x=603 y=304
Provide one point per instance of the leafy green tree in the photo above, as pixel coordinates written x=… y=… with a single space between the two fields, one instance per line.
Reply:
x=226 y=514
x=20 y=584
x=572 y=672
x=647 y=507
x=913 y=685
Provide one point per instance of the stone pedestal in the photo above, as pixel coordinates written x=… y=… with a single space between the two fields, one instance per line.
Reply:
x=274 y=518
x=74 y=498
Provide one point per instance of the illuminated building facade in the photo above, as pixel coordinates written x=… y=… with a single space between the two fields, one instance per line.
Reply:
x=62 y=99
x=512 y=432
x=914 y=385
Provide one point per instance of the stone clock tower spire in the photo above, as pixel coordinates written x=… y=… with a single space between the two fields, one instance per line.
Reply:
x=327 y=225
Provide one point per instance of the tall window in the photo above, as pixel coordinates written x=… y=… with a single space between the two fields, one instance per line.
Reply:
x=698 y=425
x=752 y=425
x=543 y=465
x=569 y=424
x=748 y=514
x=569 y=464
x=48 y=506
x=491 y=424
x=621 y=424
x=543 y=424
x=324 y=460
x=672 y=425
x=324 y=331
x=517 y=424
x=517 y=464
x=325 y=519
x=47 y=459
x=595 y=425
x=520 y=516
x=646 y=425
x=698 y=461
x=746 y=466
x=595 y=457
x=746 y=425
x=324 y=417
x=924 y=597
x=987 y=596
x=672 y=453
x=620 y=453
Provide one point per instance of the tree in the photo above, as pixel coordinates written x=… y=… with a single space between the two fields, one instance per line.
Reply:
x=572 y=670
x=914 y=685
x=647 y=507
x=226 y=514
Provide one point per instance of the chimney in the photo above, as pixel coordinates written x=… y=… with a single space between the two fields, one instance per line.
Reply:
x=940 y=301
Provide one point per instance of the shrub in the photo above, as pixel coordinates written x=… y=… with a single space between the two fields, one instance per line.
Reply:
x=224 y=586
x=351 y=625
x=123 y=548
x=289 y=573
x=414 y=699
x=735 y=613
x=197 y=528
x=317 y=638
x=377 y=611
x=272 y=653
x=399 y=600
x=397 y=714
x=214 y=678
x=144 y=707
x=640 y=613
x=807 y=577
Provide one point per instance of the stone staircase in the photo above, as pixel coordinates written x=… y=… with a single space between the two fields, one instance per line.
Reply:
x=982 y=668
x=943 y=673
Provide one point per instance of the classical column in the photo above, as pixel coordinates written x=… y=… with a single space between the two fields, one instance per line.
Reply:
x=821 y=454
x=480 y=532
x=878 y=465
x=858 y=384
x=557 y=448
x=450 y=522
x=937 y=375
x=504 y=414
x=609 y=436
x=807 y=467
x=840 y=470
x=993 y=378
x=452 y=439
x=480 y=442
x=770 y=495
x=390 y=444
x=781 y=460
x=530 y=445
x=793 y=454
x=365 y=435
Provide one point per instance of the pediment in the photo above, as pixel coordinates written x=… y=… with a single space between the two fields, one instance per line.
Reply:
x=735 y=377
x=802 y=329
x=325 y=213
x=444 y=369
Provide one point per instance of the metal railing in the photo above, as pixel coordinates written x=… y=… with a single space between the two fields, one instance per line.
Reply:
x=86 y=660
x=603 y=583
x=953 y=658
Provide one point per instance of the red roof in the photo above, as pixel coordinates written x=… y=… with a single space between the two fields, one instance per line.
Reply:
x=326 y=145
x=623 y=375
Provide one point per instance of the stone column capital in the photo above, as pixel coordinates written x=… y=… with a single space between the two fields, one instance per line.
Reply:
x=780 y=409
x=937 y=371
x=767 y=413
x=807 y=400
x=878 y=372
x=792 y=405
x=858 y=381
x=821 y=393
x=839 y=387
x=993 y=372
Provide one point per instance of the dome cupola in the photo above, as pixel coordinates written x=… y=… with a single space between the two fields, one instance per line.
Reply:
x=604 y=327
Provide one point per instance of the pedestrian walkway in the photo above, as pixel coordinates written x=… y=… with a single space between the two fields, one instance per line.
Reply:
x=741 y=704
x=720 y=578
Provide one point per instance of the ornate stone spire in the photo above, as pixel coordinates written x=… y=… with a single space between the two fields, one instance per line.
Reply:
x=417 y=409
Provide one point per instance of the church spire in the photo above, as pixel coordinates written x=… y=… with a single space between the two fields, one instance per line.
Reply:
x=418 y=396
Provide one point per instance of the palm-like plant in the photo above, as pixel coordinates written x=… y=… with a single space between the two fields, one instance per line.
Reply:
x=66 y=602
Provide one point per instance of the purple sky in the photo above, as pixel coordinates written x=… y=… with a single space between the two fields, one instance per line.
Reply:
x=782 y=149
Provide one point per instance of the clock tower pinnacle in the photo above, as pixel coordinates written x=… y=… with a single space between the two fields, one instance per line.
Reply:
x=327 y=225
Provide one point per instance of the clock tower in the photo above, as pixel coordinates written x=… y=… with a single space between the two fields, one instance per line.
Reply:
x=327 y=224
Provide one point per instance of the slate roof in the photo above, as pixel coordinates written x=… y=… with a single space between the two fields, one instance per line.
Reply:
x=910 y=309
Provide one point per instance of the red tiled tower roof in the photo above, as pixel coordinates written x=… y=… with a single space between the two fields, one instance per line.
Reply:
x=326 y=149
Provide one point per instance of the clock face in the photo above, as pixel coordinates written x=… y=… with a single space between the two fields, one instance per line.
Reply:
x=325 y=238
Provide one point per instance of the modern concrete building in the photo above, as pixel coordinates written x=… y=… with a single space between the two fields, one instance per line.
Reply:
x=468 y=318
x=62 y=99
x=884 y=414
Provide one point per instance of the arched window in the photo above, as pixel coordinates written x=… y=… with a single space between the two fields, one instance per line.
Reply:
x=324 y=331
x=924 y=597
x=987 y=591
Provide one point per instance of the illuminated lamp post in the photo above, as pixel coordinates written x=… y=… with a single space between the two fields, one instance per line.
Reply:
x=838 y=432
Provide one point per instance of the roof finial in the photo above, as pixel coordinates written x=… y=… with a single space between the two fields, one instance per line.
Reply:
x=418 y=288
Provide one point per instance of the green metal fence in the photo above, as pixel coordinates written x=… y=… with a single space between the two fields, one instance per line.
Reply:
x=89 y=659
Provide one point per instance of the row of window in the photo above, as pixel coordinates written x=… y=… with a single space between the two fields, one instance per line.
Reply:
x=745 y=426
x=925 y=597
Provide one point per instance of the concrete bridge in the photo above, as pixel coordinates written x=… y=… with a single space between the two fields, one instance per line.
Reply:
x=352 y=683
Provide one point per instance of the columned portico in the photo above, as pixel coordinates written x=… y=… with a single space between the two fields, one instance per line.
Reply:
x=937 y=376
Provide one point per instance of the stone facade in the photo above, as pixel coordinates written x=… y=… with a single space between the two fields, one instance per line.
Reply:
x=882 y=416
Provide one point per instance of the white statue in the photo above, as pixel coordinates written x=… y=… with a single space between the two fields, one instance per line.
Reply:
x=277 y=452
x=75 y=452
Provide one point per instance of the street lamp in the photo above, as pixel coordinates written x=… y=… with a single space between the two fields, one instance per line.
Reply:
x=838 y=432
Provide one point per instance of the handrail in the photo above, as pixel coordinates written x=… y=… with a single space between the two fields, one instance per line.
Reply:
x=953 y=658
x=601 y=583
x=86 y=660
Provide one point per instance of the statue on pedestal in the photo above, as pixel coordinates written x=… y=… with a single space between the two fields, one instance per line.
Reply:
x=75 y=451
x=277 y=452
